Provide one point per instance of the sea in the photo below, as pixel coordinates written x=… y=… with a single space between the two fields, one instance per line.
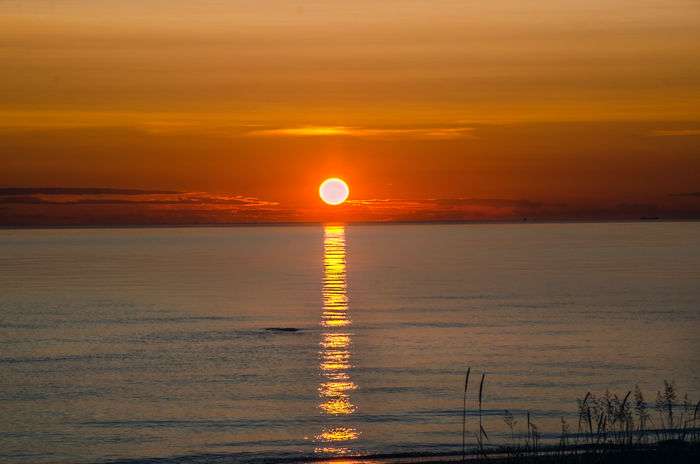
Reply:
x=273 y=343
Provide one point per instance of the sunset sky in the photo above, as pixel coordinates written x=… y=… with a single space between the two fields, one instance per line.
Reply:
x=155 y=111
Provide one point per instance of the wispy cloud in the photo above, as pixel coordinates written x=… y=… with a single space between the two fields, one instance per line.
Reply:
x=219 y=124
x=10 y=191
x=109 y=206
x=452 y=208
x=686 y=194
x=675 y=132
x=456 y=203
x=460 y=209
x=111 y=196
x=307 y=131
x=435 y=133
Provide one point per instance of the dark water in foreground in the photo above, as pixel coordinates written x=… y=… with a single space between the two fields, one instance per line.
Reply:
x=135 y=343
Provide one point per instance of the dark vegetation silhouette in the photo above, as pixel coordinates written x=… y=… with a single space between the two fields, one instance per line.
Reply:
x=610 y=428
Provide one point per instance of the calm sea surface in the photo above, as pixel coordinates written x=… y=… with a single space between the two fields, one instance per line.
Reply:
x=136 y=343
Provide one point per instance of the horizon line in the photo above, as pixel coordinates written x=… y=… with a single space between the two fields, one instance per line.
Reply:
x=346 y=223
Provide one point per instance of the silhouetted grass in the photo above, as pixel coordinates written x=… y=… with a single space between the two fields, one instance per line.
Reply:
x=464 y=415
x=611 y=428
x=482 y=433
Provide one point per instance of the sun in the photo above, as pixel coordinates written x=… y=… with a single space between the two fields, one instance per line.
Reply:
x=334 y=191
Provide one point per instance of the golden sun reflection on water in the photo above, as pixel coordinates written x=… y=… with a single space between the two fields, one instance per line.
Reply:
x=335 y=360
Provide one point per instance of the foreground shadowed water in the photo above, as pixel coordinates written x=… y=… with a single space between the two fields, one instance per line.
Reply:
x=135 y=343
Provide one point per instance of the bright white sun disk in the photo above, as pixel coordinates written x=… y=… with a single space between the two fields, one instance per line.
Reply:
x=334 y=191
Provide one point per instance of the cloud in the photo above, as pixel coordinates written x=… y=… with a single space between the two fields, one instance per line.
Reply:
x=489 y=202
x=112 y=196
x=453 y=209
x=489 y=209
x=675 y=132
x=21 y=200
x=454 y=203
x=426 y=133
x=107 y=206
x=218 y=124
x=154 y=123
x=309 y=131
x=685 y=194
x=10 y=191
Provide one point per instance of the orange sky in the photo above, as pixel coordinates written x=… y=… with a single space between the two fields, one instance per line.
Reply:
x=429 y=109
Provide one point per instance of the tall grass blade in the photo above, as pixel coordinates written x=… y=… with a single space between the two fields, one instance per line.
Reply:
x=481 y=427
x=464 y=415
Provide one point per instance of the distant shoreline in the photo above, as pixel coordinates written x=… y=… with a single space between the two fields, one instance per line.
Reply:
x=353 y=223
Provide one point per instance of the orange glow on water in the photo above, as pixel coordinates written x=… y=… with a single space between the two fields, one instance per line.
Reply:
x=335 y=363
x=338 y=434
x=338 y=406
